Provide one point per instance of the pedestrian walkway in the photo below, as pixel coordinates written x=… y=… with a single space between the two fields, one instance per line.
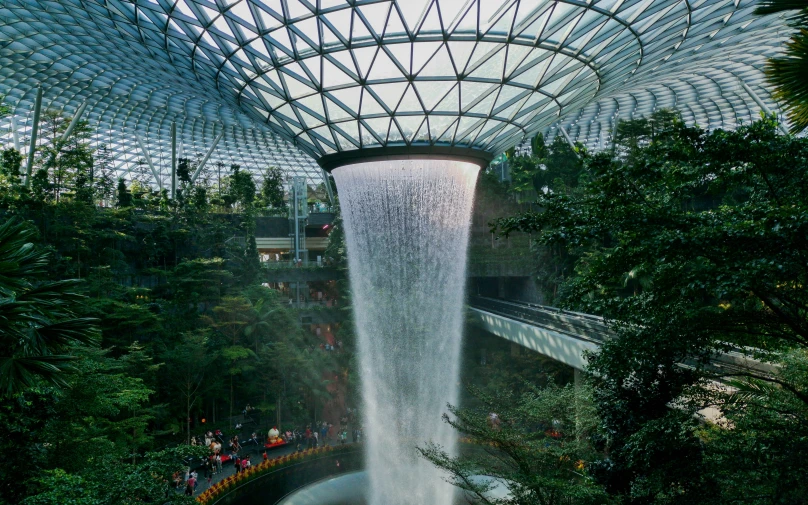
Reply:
x=256 y=456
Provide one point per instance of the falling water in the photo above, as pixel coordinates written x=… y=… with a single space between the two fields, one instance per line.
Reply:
x=407 y=227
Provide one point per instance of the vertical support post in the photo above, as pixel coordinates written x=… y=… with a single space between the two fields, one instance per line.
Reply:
x=74 y=121
x=297 y=221
x=34 y=132
x=173 y=160
x=765 y=108
x=614 y=131
x=15 y=133
x=327 y=181
x=297 y=236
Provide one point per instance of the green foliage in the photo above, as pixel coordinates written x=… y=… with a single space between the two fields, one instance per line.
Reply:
x=690 y=243
x=272 y=195
x=124 y=198
x=39 y=319
x=10 y=166
x=538 y=445
x=788 y=73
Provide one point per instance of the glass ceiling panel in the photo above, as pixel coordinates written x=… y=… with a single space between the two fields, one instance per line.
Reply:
x=289 y=81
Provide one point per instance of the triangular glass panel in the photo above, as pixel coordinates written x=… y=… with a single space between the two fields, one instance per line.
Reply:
x=516 y=54
x=312 y=68
x=365 y=137
x=431 y=92
x=482 y=54
x=370 y=106
x=438 y=125
x=409 y=126
x=315 y=104
x=508 y=93
x=308 y=120
x=390 y=93
x=359 y=31
x=511 y=110
x=349 y=97
x=350 y=129
x=471 y=91
x=395 y=136
x=431 y=22
x=491 y=68
x=395 y=26
x=376 y=16
x=325 y=133
x=330 y=38
x=439 y=66
x=335 y=112
x=466 y=126
x=502 y=25
x=528 y=10
x=379 y=126
x=401 y=53
x=467 y=21
x=410 y=102
x=340 y=21
x=333 y=76
x=364 y=58
x=534 y=29
x=345 y=144
x=448 y=135
x=274 y=81
x=449 y=12
x=421 y=52
x=280 y=39
x=531 y=76
x=422 y=135
x=296 y=88
x=484 y=106
x=450 y=103
x=412 y=14
x=268 y=21
x=296 y=9
x=384 y=68
x=461 y=51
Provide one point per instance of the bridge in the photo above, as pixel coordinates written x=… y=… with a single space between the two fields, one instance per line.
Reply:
x=566 y=336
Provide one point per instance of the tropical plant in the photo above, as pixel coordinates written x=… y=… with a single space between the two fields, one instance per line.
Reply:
x=788 y=73
x=39 y=318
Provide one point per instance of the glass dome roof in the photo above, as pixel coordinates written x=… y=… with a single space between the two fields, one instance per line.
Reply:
x=328 y=76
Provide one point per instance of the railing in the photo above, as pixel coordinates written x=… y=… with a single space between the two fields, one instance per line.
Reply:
x=583 y=326
x=594 y=329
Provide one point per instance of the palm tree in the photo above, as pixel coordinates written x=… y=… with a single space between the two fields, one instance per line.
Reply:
x=789 y=73
x=38 y=317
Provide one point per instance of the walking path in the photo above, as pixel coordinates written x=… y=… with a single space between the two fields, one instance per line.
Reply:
x=256 y=457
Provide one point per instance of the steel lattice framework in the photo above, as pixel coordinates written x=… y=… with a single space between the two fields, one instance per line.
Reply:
x=279 y=78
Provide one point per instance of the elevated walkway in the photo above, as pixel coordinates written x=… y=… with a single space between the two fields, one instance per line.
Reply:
x=565 y=336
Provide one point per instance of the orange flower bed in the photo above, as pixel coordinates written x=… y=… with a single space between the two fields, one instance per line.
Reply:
x=226 y=485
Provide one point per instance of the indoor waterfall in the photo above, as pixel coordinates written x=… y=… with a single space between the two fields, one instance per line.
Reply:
x=407 y=229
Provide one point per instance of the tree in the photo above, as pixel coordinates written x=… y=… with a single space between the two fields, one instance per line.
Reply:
x=692 y=246
x=10 y=165
x=39 y=318
x=536 y=444
x=272 y=194
x=124 y=197
x=187 y=365
x=788 y=73
x=242 y=187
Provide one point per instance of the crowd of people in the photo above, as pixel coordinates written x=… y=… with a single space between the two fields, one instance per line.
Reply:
x=224 y=449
